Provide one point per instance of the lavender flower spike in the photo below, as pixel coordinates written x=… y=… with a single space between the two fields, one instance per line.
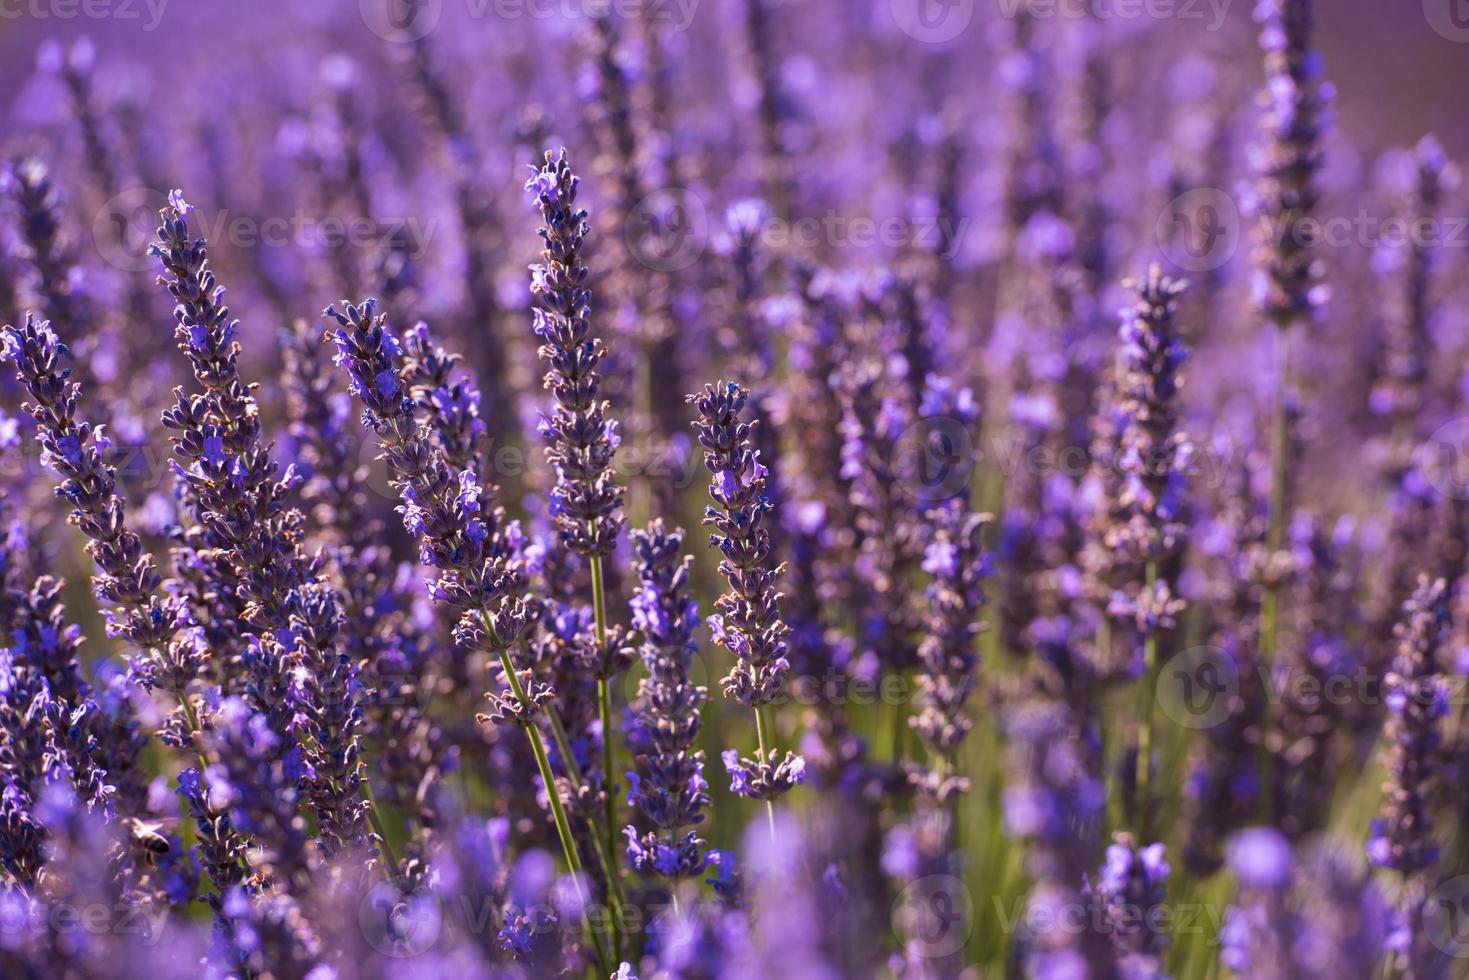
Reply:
x=1418 y=702
x=1144 y=455
x=669 y=787
x=152 y=622
x=1297 y=103
x=445 y=510
x=586 y=503
x=1130 y=890
x=749 y=622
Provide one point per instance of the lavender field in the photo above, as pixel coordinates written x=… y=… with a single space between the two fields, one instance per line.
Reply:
x=734 y=489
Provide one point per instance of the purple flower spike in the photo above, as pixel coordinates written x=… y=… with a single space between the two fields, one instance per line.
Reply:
x=669 y=788
x=1417 y=700
x=587 y=501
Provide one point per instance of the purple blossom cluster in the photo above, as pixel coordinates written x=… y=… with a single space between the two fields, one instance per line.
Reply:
x=1087 y=593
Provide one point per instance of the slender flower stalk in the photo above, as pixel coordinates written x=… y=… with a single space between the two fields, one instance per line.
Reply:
x=56 y=282
x=1287 y=288
x=956 y=561
x=479 y=578
x=1138 y=481
x=586 y=502
x=748 y=623
x=239 y=491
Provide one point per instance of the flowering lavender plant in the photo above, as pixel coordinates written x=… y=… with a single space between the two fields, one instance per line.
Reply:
x=1079 y=636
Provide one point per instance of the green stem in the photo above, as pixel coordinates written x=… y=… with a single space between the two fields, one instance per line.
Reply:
x=376 y=820
x=563 y=747
x=1145 y=733
x=543 y=763
x=760 y=726
x=1275 y=537
x=604 y=712
x=195 y=731
x=558 y=812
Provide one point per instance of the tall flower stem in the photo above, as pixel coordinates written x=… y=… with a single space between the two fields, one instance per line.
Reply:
x=548 y=778
x=376 y=819
x=1275 y=536
x=1297 y=101
x=761 y=723
x=1145 y=734
x=604 y=712
x=616 y=895
x=748 y=622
